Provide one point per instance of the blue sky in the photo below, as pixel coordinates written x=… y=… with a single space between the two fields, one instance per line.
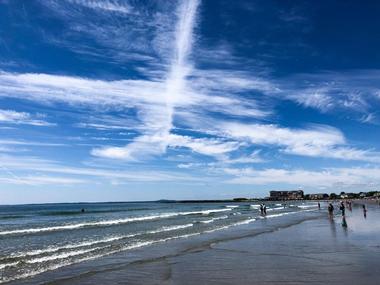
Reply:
x=141 y=100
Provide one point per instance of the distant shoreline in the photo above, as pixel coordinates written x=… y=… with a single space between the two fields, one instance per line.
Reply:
x=233 y=200
x=266 y=200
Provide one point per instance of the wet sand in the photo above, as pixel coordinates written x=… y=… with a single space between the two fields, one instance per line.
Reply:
x=316 y=250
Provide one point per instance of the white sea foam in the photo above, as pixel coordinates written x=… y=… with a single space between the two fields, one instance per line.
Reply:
x=87 y=224
x=110 y=222
x=62 y=255
x=275 y=208
x=214 y=219
x=243 y=222
x=232 y=206
x=306 y=206
x=278 y=215
x=95 y=242
x=64 y=262
x=254 y=206
x=68 y=246
x=205 y=212
x=2 y=266
x=169 y=228
x=287 y=213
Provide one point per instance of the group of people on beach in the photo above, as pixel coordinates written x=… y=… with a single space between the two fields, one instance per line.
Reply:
x=342 y=208
x=263 y=209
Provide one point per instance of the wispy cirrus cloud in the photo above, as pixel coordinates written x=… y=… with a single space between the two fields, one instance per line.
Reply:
x=355 y=91
x=33 y=180
x=115 y=32
x=223 y=161
x=320 y=141
x=112 y=6
x=154 y=101
x=14 y=117
x=125 y=94
x=23 y=169
x=173 y=103
x=16 y=142
x=160 y=118
x=206 y=146
x=332 y=178
x=314 y=141
x=155 y=118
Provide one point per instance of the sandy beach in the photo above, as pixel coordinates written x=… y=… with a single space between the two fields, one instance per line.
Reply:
x=304 y=250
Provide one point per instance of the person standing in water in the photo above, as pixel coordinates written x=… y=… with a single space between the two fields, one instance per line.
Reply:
x=364 y=211
x=330 y=208
x=319 y=206
x=265 y=210
x=261 y=209
x=344 y=222
x=342 y=208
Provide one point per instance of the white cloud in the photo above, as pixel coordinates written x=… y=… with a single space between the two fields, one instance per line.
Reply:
x=329 y=178
x=41 y=180
x=28 y=143
x=273 y=134
x=254 y=157
x=104 y=5
x=315 y=141
x=354 y=90
x=368 y=118
x=317 y=98
x=14 y=117
x=45 y=88
x=190 y=165
x=232 y=80
x=122 y=32
x=222 y=161
x=175 y=93
x=206 y=146
x=160 y=118
x=155 y=106
x=18 y=169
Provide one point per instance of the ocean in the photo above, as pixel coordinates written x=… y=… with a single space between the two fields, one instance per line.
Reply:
x=38 y=238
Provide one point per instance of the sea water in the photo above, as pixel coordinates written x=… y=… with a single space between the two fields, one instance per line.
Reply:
x=39 y=238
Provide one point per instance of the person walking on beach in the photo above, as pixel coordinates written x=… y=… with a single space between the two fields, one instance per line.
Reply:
x=344 y=222
x=342 y=208
x=350 y=206
x=330 y=208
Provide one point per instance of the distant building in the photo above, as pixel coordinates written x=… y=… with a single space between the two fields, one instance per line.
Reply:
x=286 y=195
x=318 y=196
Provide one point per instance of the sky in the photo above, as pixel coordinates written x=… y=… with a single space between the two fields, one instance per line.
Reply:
x=112 y=100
